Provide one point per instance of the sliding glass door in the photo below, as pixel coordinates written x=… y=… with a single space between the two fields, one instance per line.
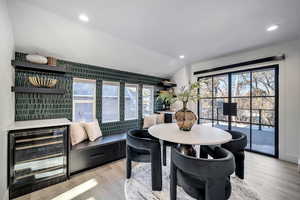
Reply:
x=255 y=93
x=213 y=92
x=241 y=95
x=263 y=105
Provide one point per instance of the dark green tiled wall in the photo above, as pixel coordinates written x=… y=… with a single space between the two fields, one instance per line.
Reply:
x=46 y=106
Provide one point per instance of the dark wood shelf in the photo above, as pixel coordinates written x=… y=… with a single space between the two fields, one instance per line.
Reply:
x=170 y=85
x=38 y=90
x=38 y=67
x=167 y=85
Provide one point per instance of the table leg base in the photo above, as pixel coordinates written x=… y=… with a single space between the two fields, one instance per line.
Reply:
x=187 y=150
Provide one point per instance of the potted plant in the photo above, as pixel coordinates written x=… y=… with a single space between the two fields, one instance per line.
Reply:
x=185 y=118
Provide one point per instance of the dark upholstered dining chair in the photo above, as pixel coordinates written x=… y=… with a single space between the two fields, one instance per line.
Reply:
x=142 y=147
x=165 y=144
x=167 y=119
x=237 y=146
x=204 y=179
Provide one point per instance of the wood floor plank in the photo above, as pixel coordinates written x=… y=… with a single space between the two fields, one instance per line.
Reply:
x=271 y=178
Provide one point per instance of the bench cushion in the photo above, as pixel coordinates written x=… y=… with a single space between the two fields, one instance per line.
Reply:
x=104 y=140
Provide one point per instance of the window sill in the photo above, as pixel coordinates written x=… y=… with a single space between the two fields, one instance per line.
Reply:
x=130 y=119
x=106 y=122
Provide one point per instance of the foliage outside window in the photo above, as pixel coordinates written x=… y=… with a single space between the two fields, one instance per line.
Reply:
x=84 y=100
x=110 y=101
x=131 y=101
x=214 y=92
x=148 y=100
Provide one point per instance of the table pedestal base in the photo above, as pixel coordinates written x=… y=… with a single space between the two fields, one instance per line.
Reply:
x=187 y=150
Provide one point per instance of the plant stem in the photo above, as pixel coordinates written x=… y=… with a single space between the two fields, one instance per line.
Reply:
x=184 y=105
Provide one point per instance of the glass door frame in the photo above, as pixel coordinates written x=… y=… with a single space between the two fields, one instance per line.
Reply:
x=276 y=106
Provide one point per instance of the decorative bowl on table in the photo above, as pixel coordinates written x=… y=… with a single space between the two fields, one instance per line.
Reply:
x=42 y=81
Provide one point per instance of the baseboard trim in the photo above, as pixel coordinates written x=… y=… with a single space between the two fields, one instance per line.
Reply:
x=288 y=158
x=5 y=195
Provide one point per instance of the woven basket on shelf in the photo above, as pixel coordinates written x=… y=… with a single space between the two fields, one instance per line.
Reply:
x=42 y=82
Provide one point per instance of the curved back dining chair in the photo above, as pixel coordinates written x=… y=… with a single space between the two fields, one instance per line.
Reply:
x=237 y=146
x=205 y=179
x=142 y=147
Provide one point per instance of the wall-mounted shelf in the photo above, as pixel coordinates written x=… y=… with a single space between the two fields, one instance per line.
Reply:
x=171 y=85
x=37 y=90
x=37 y=67
x=167 y=84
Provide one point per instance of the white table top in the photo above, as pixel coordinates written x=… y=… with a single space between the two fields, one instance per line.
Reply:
x=199 y=135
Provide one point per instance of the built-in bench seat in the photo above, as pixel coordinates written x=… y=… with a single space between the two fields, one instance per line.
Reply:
x=105 y=149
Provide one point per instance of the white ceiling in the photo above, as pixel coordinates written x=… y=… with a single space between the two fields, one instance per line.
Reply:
x=199 y=29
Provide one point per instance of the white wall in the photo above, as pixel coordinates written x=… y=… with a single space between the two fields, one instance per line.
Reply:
x=181 y=78
x=6 y=96
x=289 y=90
x=37 y=30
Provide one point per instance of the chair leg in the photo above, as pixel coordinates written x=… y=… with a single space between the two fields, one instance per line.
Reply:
x=164 y=154
x=128 y=162
x=156 y=169
x=173 y=182
x=239 y=162
x=203 y=152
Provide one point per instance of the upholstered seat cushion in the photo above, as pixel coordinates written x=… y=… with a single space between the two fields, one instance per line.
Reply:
x=195 y=186
x=140 y=155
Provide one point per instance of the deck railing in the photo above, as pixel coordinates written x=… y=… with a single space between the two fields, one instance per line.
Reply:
x=260 y=117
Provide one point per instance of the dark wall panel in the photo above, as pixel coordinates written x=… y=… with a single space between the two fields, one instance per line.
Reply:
x=49 y=106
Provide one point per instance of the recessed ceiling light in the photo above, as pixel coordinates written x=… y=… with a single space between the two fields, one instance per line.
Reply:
x=83 y=17
x=272 y=27
x=181 y=56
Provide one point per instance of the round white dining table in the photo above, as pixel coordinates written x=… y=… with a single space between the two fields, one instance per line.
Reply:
x=199 y=135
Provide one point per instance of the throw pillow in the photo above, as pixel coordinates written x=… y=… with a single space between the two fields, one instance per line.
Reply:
x=93 y=130
x=160 y=118
x=77 y=133
x=149 y=121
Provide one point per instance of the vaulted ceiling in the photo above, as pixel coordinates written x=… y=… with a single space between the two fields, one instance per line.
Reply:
x=164 y=29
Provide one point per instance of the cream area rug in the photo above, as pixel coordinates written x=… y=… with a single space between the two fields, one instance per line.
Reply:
x=138 y=187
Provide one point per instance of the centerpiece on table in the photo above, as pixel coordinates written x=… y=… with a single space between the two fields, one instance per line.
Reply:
x=185 y=118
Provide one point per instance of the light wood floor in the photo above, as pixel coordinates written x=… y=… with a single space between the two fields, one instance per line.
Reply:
x=271 y=178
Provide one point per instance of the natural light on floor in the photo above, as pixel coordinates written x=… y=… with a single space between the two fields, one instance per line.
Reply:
x=76 y=191
x=91 y=198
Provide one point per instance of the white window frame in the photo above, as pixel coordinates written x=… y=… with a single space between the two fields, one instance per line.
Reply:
x=84 y=101
x=152 y=97
x=114 y=84
x=137 y=100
